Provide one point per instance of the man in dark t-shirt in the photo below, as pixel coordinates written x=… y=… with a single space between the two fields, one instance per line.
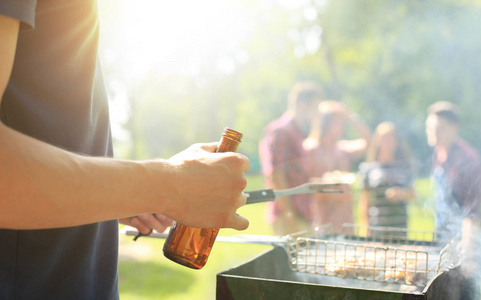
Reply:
x=61 y=196
x=457 y=176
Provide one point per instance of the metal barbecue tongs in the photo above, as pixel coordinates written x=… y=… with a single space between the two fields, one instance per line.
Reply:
x=306 y=188
x=258 y=197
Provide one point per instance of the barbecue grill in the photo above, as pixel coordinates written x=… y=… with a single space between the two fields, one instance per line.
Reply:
x=360 y=263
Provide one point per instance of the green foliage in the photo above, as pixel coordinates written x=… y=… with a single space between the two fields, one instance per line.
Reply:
x=388 y=60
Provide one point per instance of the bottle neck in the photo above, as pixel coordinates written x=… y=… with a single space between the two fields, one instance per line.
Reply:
x=230 y=141
x=232 y=134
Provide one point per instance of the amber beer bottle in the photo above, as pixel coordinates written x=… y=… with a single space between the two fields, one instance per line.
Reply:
x=191 y=246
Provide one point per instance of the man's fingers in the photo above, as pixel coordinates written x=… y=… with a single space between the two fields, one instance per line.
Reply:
x=212 y=147
x=241 y=200
x=165 y=221
x=152 y=222
x=246 y=163
x=141 y=227
x=238 y=222
x=209 y=147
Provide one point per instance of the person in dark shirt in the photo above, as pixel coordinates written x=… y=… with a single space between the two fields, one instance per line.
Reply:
x=387 y=180
x=456 y=170
x=457 y=176
x=61 y=193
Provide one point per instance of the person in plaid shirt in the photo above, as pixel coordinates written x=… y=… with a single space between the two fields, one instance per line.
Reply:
x=283 y=158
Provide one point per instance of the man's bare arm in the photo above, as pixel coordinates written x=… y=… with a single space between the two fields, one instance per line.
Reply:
x=42 y=186
x=8 y=44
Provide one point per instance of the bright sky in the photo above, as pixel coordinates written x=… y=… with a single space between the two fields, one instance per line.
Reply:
x=167 y=37
x=175 y=36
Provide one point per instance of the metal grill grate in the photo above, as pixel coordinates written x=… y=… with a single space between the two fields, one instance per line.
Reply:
x=372 y=253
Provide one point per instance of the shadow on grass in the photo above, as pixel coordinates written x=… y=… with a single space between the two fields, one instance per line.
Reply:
x=152 y=280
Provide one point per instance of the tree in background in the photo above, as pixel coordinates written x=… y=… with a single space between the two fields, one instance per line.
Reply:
x=387 y=60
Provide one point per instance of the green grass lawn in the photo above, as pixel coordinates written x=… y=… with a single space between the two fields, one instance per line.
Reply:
x=144 y=273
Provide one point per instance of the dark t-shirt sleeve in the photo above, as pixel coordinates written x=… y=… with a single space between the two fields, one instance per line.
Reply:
x=467 y=187
x=22 y=10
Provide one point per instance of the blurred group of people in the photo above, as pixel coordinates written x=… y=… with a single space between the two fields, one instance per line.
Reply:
x=308 y=144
